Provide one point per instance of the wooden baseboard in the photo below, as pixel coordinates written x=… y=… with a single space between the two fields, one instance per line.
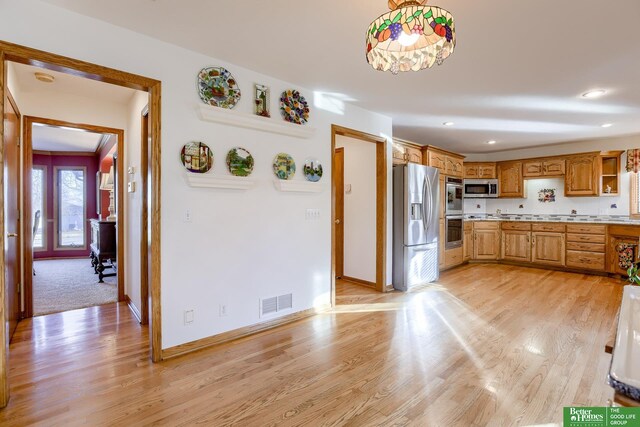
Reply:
x=542 y=267
x=225 y=337
x=133 y=308
x=359 y=281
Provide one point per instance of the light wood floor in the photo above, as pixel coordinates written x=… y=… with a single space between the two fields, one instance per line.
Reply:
x=489 y=345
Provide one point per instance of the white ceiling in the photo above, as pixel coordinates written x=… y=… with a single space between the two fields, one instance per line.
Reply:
x=69 y=84
x=516 y=76
x=52 y=138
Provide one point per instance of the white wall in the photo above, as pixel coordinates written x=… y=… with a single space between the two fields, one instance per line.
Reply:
x=564 y=205
x=240 y=246
x=359 y=208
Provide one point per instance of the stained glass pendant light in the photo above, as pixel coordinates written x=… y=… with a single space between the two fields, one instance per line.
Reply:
x=411 y=37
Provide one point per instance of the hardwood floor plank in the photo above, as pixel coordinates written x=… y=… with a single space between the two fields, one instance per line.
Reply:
x=488 y=345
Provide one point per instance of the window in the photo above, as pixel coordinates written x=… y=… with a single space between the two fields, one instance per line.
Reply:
x=38 y=198
x=635 y=195
x=71 y=208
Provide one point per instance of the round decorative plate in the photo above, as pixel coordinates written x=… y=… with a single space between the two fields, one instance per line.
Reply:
x=240 y=162
x=313 y=170
x=283 y=166
x=294 y=107
x=217 y=87
x=197 y=157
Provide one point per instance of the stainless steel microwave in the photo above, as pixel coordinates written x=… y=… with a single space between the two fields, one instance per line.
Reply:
x=480 y=188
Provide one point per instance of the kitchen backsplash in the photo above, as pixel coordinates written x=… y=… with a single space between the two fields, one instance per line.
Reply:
x=605 y=205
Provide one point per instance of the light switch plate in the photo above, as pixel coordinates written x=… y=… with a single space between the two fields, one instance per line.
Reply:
x=131 y=187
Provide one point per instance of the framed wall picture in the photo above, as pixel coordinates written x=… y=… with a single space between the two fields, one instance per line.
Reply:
x=261 y=100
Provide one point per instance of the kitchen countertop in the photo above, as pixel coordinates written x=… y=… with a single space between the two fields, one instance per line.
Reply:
x=579 y=219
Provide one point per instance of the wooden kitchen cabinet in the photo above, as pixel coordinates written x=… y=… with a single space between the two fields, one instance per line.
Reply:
x=543 y=167
x=629 y=236
x=406 y=152
x=467 y=241
x=511 y=181
x=486 y=244
x=450 y=164
x=454 y=167
x=586 y=249
x=441 y=246
x=582 y=175
x=516 y=242
x=476 y=170
x=548 y=248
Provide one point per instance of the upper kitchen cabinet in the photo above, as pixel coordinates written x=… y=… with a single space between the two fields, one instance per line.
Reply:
x=582 y=176
x=475 y=170
x=450 y=164
x=610 y=173
x=511 y=181
x=406 y=152
x=543 y=167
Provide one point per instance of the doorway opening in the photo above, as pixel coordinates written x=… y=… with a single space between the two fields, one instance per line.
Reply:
x=10 y=284
x=74 y=245
x=359 y=212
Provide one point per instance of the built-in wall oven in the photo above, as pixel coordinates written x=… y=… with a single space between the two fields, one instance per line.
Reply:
x=454 y=228
x=454 y=231
x=454 y=196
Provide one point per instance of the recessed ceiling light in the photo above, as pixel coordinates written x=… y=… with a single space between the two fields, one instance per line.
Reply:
x=44 y=77
x=594 y=93
x=448 y=123
x=607 y=125
x=491 y=142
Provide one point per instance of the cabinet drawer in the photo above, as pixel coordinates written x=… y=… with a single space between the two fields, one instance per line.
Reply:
x=589 y=247
x=468 y=226
x=586 y=260
x=486 y=225
x=585 y=238
x=554 y=228
x=453 y=257
x=586 y=228
x=526 y=226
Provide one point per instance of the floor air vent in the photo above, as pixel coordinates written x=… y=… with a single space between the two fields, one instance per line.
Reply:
x=273 y=305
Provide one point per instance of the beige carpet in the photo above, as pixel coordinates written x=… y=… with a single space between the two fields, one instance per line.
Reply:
x=69 y=284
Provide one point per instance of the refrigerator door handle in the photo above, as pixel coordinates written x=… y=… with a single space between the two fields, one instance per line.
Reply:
x=426 y=193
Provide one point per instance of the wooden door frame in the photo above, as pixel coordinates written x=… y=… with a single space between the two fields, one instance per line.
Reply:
x=334 y=197
x=381 y=205
x=26 y=55
x=27 y=170
x=144 y=213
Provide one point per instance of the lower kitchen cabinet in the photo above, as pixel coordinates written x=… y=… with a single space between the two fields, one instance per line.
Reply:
x=453 y=257
x=486 y=241
x=516 y=245
x=548 y=248
x=467 y=241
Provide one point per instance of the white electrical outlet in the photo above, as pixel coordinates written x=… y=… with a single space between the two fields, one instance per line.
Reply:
x=224 y=310
x=187 y=216
x=188 y=317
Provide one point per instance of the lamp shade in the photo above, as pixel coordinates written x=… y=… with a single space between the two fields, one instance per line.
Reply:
x=411 y=37
x=107 y=180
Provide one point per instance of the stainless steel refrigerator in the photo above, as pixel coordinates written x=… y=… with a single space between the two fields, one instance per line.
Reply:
x=416 y=216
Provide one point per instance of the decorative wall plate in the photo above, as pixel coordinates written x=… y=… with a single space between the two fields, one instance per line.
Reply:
x=240 y=162
x=313 y=170
x=294 y=107
x=217 y=87
x=283 y=166
x=197 y=157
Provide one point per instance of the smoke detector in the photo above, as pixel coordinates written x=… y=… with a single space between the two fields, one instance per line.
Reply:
x=44 y=77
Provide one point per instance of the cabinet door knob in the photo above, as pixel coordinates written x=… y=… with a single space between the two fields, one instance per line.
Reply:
x=337 y=221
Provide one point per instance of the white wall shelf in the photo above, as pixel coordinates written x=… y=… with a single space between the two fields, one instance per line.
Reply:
x=298 y=186
x=252 y=121
x=211 y=181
